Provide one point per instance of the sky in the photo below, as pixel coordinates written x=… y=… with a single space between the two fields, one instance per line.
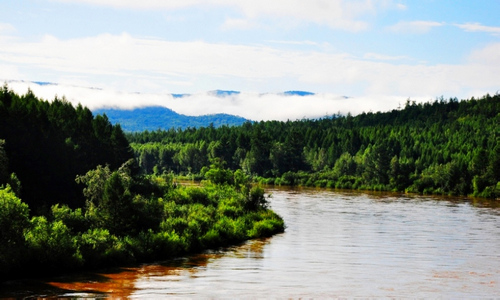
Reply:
x=355 y=55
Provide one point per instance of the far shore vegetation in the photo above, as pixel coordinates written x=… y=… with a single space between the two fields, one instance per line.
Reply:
x=442 y=147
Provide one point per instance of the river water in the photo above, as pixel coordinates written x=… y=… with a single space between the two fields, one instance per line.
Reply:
x=336 y=245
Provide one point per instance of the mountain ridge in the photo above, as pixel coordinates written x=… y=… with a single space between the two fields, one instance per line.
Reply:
x=159 y=117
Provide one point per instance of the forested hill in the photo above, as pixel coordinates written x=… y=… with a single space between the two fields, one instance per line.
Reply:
x=156 y=117
x=47 y=144
x=444 y=147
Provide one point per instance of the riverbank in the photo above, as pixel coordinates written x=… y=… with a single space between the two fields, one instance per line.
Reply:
x=342 y=244
x=129 y=221
x=307 y=180
x=424 y=186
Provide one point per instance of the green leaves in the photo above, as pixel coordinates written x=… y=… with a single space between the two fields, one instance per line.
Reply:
x=51 y=245
x=455 y=140
x=110 y=201
x=13 y=223
x=217 y=174
x=13 y=219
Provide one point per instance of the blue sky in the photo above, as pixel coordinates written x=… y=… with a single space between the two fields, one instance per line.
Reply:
x=377 y=52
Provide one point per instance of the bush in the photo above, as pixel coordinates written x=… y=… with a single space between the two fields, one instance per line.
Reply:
x=97 y=247
x=51 y=246
x=256 y=199
x=264 y=224
x=13 y=219
x=149 y=245
x=149 y=212
x=198 y=195
x=13 y=222
x=73 y=219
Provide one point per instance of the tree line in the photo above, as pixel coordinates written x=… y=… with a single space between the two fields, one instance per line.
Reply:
x=45 y=145
x=441 y=147
x=72 y=196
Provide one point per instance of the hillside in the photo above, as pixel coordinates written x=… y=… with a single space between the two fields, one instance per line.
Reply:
x=441 y=147
x=156 y=117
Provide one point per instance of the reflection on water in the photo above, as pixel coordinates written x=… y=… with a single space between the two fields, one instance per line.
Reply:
x=335 y=245
x=128 y=282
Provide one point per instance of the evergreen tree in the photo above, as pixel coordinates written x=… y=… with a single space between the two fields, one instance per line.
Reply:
x=4 y=163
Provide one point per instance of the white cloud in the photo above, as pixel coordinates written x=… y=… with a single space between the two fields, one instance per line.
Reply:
x=333 y=13
x=414 y=27
x=343 y=14
x=299 y=43
x=487 y=56
x=252 y=106
x=6 y=28
x=8 y=71
x=244 y=24
x=476 y=27
x=401 y=6
x=378 y=56
x=129 y=64
x=123 y=56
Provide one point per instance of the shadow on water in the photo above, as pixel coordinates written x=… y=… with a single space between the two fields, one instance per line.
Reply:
x=38 y=289
x=120 y=282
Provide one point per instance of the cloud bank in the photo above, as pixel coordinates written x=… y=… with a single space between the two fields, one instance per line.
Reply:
x=355 y=48
x=130 y=64
x=253 y=106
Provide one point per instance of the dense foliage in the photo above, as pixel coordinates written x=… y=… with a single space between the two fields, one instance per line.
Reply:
x=128 y=220
x=50 y=152
x=47 y=144
x=443 y=147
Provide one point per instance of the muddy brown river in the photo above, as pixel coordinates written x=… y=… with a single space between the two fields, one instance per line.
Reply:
x=337 y=244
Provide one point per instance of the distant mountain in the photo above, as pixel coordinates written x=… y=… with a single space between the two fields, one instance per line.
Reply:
x=217 y=93
x=298 y=93
x=43 y=83
x=157 y=117
x=222 y=93
x=179 y=95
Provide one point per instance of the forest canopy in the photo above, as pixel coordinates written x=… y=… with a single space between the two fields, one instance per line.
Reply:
x=443 y=147
x=72 y=196
x=47 y=144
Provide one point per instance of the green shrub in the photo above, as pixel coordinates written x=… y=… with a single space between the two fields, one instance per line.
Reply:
x=13 y=222
x=256 y=199
x=198 y=195
x=51 y=245
x=98 y=247
x=74 y=219
x=13 y=219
